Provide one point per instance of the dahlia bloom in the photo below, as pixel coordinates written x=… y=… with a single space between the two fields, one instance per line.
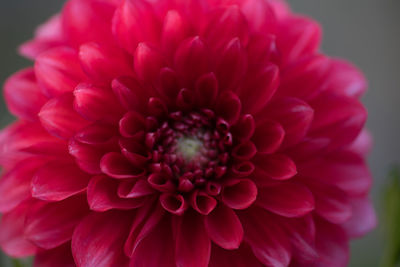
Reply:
x=184 y=133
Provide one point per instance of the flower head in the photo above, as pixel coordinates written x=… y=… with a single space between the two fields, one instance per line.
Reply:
x=183 y=133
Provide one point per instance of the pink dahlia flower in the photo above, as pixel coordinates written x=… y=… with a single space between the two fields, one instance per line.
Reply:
x=184 y=133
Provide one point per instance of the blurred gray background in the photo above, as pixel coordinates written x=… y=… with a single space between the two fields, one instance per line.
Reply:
x=367 y=32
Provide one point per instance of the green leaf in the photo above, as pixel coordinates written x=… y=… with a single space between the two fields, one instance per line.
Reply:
x=392 y=221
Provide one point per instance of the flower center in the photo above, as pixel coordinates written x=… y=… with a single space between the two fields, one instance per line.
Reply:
x=189 y=148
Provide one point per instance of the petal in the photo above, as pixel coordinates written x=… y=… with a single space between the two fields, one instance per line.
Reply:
x=202 y=202
x=191 y=59
x=244 y=151
x=12 y=238
x=240 y=195
x=96 y=133
x=103 y=63
x=151 y=252
x=130 y=93
x=117 y=166
x=89 y=102
x=258 y=88
x=15 y=185
x=294 y=115
x=206 y=90
x=98 y=239
x=78 y=18
x=134 y=189
x=287 y=199
x=229 y=107
x=176 y=204
x=49 y=225
x=275 y=166
x=244 y=128
x=363 y=218
x=132 y=124
x=57 y=181
x=193 y=246
x=267 y=239
x=58 y=71
x=60 y=256
x=268 y=136
x=23 y=96
x=224 y=227
x=134 y=22
x=173 y=32
x=102 y=195
x=243 y=256
x=298 y=36
x=59 y=119
x=147 y=62
x=231 y=66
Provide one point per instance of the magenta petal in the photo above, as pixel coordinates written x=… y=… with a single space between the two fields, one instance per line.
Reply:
x=268 y=136
x=240 y=195
x=224 y=227
x=132 y=124
x=243 y=256
x=193 y=246
x=96 y=133
x=103 y=63
x=12 y=238
x=135 y=21
x=151 y=252
x=287 y=199
x=259 y=88
x=135 y=189
x=49 y=225
x=130 y=93
x=98 y=239
x=58 y=71
x=59 y=119
x=176 y=204
x=275 y=166
x=202 y=202
x=89 y=102
x=23 y=96
x=60 y=256
x=244 y=128
x=56 y=181
x=147 y=62
x=15 y=185
x=173 y=31
x=118 y=167
x=229 y=107
x=244 y=151
x=206 y=90
x=363 y=218
x=266 y=238
x=102 y=195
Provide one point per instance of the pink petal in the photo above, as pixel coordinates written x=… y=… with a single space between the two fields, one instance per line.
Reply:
x=224 y=227
x=102 y=195
x=362 y=145
x=294 y=115
x=287 y=199
x=104 y=63
x=176 y=204
x=78 y=18
x=268 y=136
x=135 y=189
x=231 y=66
x=193 y=246
x=130 y=93
x=206 y=90
x=96 y=133
x=244 y=128
x=151 y=252
x=147 y=62
x=160 y=182
x=191 y=59
x=134 y=22
x=299 y=36
x=58 y=71
x=267 y=239
x=275 y=166
x=89 y=102
x=202 y=202
x=12 y=238
x=57 y=181
x=60 y=256
x=15 y=185
x=49 y=225
x=173 y=31
x=23 y=96
x=59 y=119
x=332 y=245
x=229 y=107
x=243 y=256
x=98 y=239
x=258 y=88
x=240 y=195
x=363 y=220
x=132 y=124
x=244 y=151
x=118 y=167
